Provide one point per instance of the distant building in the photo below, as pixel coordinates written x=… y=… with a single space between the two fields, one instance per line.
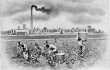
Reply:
x=8 y=32
x=25 y=31
x=37 y=31
x=67 y=31
x=12 y=31
x=91 y=30
x=21 y=31
x=80 y=30
x=99 y=32
x=50 y=31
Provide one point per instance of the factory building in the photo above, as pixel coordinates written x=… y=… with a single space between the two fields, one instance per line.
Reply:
x=23 y=31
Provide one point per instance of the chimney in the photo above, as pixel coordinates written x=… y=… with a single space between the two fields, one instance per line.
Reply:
x=31 y=20
x=24 y=26
x=18 y=27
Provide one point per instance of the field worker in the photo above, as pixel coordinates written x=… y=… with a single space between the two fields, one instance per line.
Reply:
x=55 y=42
x=46 y=47
x=19 y=49
x=38 y=49
x=18 y=46
x=81 y=41
x=47 y=44
x=36 y=45
x=80 y=45
x=25 y=49
x=25 y=46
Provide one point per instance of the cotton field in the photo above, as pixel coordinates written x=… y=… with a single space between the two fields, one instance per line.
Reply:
x=95 y=49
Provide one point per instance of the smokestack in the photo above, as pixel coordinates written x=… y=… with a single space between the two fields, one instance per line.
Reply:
x=48 y=11
x=24 y=26
x=31 y=21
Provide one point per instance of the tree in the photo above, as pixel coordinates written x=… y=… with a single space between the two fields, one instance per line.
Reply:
x=44 y=28
x=89 y=26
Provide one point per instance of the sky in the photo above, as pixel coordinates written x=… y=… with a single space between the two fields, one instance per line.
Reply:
x=64 y=14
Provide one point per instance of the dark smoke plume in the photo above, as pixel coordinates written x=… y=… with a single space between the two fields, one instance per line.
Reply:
x=43 y=9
